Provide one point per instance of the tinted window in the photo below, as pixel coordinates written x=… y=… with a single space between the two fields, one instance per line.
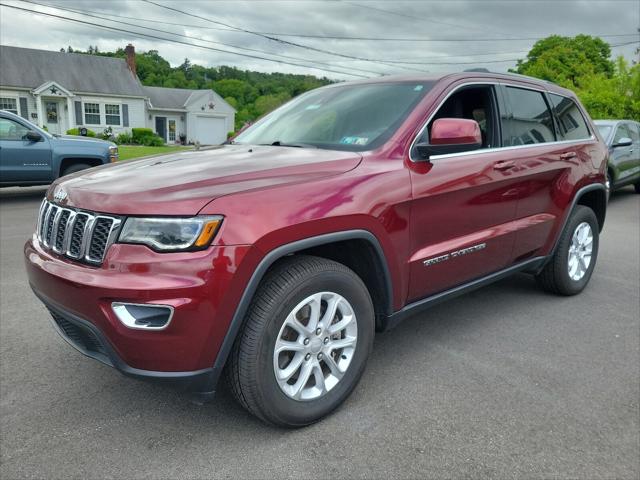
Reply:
x=570 y=120
x=10 y=130
x=530 y=121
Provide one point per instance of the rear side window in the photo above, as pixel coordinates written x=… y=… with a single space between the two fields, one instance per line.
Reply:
x=633 y=130
x=571 y=123
x=530 y=121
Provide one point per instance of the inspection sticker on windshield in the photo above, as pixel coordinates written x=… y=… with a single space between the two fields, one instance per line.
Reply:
x=354 y=140
x=313 y=107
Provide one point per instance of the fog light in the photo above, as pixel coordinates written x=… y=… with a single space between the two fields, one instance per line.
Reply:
x=143 y=316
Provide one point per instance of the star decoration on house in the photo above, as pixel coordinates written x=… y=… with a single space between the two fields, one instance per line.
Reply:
x=211 y=105
x=53 y=90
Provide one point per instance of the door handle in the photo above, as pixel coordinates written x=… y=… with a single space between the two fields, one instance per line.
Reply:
x=567 y=155
x=504 y=165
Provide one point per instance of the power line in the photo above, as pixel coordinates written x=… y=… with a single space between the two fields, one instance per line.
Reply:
x=105 y=27
x=330 y=37
x=196 y=38
x=268 y=37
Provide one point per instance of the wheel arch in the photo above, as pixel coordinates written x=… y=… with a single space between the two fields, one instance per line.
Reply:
x=66 y=162
x=326 y=246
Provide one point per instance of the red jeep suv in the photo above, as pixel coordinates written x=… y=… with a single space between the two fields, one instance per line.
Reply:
x=276 y=258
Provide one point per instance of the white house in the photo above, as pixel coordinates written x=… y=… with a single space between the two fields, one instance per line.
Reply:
x=62 y=90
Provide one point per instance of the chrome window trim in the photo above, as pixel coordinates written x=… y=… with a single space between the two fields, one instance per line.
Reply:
x=534 y=88
x=512 y=147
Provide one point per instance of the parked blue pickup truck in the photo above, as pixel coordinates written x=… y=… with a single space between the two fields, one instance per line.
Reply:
x=31 y=156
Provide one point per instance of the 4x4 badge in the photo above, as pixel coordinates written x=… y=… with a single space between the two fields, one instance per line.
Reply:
x=60 y=195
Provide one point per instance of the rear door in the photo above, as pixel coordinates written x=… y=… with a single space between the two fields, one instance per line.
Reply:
x=21 y=160
x=464 y=204
x=622 y=157
x=551 y=158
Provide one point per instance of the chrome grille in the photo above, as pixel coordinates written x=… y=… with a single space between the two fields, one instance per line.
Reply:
x=79 y=235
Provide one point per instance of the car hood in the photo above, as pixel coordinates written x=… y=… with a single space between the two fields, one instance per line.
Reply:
x=183 y=183
x=75 y=141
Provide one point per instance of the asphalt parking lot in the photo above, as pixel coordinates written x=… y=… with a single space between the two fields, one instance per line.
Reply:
x=504 y=382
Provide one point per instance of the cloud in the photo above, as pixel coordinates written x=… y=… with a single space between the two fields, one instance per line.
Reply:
x=475 y=21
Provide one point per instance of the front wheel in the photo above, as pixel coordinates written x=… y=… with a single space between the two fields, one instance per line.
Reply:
x=305 y=342
x=570 y=268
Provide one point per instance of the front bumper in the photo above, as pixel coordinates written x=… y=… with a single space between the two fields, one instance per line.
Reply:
x=202 y=287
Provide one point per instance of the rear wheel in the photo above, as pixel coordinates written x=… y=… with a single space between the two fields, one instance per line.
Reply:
x=570 y=268
x=305 y=342
x=76 y=167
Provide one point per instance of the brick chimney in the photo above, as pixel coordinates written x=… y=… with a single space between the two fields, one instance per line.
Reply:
x=131 y=57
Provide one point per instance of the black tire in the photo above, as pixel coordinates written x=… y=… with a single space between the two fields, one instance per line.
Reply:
x=250 y=370
x=76 y=167
x=636 y=186
x=555 y=277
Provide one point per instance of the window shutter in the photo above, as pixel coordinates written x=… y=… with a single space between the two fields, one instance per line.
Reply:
x=24 y=109
x=78 y=106
x=125 y=115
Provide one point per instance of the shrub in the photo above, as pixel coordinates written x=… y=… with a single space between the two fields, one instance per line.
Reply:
x=230 y=134
x=152 y=141
x=76 y=131
x=138 y=134
x=124 y=138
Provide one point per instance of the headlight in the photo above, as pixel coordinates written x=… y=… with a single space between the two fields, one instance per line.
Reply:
x=113 y=153
x=171 y=234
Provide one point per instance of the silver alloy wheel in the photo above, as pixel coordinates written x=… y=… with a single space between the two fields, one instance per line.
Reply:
x=580 y=251
x=315 y=346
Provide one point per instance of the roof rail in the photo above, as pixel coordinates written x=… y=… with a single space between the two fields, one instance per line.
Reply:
x=486 y=70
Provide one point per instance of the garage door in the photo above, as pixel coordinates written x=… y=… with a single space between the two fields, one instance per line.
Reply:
x=210 y=130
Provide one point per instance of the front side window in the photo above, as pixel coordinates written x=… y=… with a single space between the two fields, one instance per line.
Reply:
x=571 y=123
x=9 y=104
x=10 y=130
x=92 y=113
x=530 y=121
x=621 y=132
x=633 y=132
x=112 y=114
x=605 y=130
x=471 y=103
x=342 y=117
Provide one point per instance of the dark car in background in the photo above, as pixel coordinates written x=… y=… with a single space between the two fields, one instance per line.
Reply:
x=31 y=156
x=623 y=139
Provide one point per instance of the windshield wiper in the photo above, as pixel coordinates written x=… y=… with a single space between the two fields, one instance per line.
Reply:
x=278 y=143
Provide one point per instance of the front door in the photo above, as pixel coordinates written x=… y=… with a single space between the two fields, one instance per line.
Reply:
x=464 y=204
x=52 y=116
x=161 y=127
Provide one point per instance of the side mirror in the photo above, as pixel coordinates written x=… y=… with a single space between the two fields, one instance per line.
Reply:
x=33 y=136
x=623 y=142
x=451 y=135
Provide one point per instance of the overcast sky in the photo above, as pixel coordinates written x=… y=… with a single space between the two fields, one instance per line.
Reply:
x=443 y=35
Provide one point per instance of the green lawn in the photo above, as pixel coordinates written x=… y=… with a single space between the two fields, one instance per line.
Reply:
x=127 y=152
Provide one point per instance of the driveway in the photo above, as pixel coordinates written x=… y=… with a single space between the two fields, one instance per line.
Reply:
x=504 y=382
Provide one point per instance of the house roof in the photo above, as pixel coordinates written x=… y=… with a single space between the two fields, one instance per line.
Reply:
x=176 y=98
x=173 y=98
x=29 y=68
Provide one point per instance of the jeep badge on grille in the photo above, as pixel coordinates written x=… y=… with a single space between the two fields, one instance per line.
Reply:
x=60 y=194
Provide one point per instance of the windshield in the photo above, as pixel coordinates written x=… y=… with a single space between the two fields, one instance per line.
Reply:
x=604 y=130
x=348 y=117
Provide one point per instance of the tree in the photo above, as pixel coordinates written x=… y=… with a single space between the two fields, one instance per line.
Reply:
x=564 y=60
